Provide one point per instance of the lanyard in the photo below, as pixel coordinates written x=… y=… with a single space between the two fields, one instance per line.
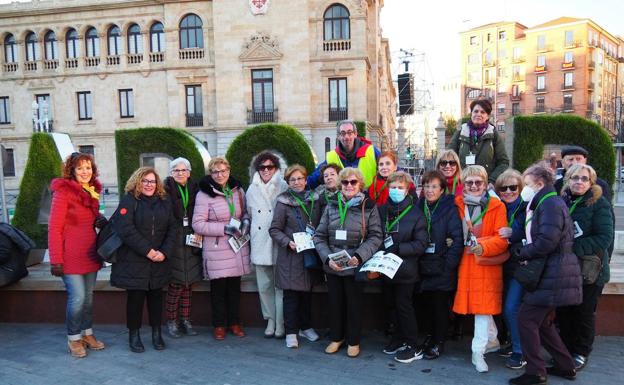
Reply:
x=469 y=222
x=375 y=193
x=429 y=215
x=390 y=226
x=454 y=185
x=230 y=200
x=326 y=198
x=550 y=194
x=513 y=215
x=573 y=207
x=303 y=207
x=341 y=211
x=185 y=196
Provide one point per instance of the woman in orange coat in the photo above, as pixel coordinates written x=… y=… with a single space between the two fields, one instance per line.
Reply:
x=480 y=287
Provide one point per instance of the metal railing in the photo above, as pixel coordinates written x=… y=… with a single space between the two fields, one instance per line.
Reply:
x=336 y=114
x=261 y=116
x=194 y=120
x=567 y=86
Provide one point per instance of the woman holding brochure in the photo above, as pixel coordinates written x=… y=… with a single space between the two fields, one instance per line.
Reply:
x=350 y=226
x=405 y=235
x=296 y=215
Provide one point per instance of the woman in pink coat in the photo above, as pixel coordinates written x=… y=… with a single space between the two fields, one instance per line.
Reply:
x=220 y=217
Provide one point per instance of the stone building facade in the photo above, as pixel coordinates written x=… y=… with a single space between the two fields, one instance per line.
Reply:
x=213 y=67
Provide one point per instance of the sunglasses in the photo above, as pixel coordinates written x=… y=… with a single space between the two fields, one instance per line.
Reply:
x=266 y=167
x=476 y=183
x=582 y=178
x=513 y=187
x=352 y=182
x=445 y=163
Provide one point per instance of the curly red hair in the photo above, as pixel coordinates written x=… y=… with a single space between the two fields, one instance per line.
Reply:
x=74 y=160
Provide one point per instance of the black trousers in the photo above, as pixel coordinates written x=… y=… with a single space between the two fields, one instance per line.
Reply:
x=134 y=307
x=387 y=290
x=297 y=310
x=537 y=328
x=577 y=324
x=407 y=330
x=345 y=308
x=225 y=301
x=434 y=307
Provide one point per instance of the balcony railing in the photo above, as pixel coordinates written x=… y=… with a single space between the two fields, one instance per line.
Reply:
x=516 y=97
x=518 y=59
x=156 y=57
x=573 y=44
x=540 y=68
x=590 y=110
x=539 y=109
x=567 y=66
x=10 y=67
x=30 y=66
x=71 y=63
x=261 y=116
x=41 y=126
x=489 y=63
x=191 y=53
x=112 y=60
x=569 y=86
x=336 y=45
x=336 y=114
x=92 y=61
x=544 y=48
x=515 y=112
x=194 y=120
x=50 y=64
x=567 y=107
x=135 y=58
x=517 y=78
x=540 y=90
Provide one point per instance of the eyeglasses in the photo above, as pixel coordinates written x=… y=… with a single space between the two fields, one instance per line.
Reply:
x=180 y=171
x=445 y=163
x=476 y=183
x=220 y=172
x=265 y=167
x=347 y=133
x=352 y=182
x=148 y=182
x=513 y=188
x=581 y=178
x=295 y=180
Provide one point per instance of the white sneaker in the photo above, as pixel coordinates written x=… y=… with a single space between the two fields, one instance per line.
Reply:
x=310 y=334
x=270 y=329
x=479 y=362
x=492 y=346
x=291 y=341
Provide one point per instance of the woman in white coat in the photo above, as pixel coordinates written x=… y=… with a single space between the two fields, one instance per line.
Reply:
x=267 y=183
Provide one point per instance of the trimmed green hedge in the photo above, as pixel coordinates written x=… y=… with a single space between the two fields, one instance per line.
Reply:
x=44 y=164
x=285 y=139
x=361 y=128
x=531 y=133
x=131 y=143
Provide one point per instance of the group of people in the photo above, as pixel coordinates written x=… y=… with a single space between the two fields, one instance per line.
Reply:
x=479 y=239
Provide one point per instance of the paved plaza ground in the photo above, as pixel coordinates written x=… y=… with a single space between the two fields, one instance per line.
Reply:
x=35 y=354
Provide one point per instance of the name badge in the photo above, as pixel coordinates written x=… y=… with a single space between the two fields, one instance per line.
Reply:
x=235 y=223
x=341 y=235
x=185 y=222
x=577 y=230
x=388 y=242
x=430 y=249
x=310 y=230
x=470 y=159
x=471 y=241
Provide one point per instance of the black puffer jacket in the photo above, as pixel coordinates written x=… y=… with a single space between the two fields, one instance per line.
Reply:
x=517 y=234
x=438 y=271
x=186 y=261
x=12 y=260
x=409 y=241
x=143 y=224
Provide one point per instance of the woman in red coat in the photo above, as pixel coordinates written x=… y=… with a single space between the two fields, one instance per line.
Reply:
x=71 y=237
x=386 y=165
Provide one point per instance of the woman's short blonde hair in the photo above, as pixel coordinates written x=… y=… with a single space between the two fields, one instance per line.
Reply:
x=292 y=169
x=348 y=172
x=577 y=168
x=401 y=177
x=509 y=175
x=449 y=155
x=474 y=170
x=133 y=186
x=217 y=160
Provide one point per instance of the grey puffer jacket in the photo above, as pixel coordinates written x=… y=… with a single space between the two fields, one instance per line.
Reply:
x=325 y=237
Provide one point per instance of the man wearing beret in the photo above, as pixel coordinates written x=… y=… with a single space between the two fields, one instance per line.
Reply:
x=576 y=154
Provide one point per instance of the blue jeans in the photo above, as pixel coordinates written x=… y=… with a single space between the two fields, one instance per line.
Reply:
x=513 y=300
x=79 y=313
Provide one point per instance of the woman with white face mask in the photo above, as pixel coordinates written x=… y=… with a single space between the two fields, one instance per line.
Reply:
x=405 y=235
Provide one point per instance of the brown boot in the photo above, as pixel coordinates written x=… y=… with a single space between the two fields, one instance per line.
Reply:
x=76 y=349
x=92 y=343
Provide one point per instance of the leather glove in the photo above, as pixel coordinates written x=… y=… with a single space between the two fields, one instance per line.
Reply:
x=477 y=250
x=100 y=222
x=57 y=269
x=245 y=227
x=232 y=231
x=514 y=251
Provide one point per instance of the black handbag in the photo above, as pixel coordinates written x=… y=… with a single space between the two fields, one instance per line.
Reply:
x=108 y=241
x=591 y=266
x=529 y=273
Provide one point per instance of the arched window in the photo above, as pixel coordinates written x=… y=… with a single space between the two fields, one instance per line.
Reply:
x=191 y=35
x=135 y=39
x=71 y=40
x=157 y=37
x=114 y=41
x=10 y=53
x=336 y=23
x=51 y=46
x=32 y=47
x=93 y=42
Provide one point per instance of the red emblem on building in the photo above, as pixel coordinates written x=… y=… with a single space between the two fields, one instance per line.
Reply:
x=258 y=7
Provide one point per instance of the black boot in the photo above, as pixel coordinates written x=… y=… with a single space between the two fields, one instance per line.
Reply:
x=157 y=339
x=134 y=340
x=434 y=351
